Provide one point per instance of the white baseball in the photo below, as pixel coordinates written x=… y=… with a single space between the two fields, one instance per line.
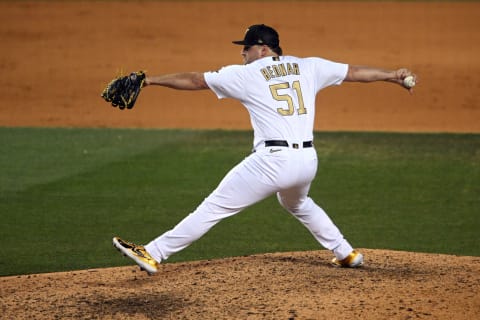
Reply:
x=409 y=82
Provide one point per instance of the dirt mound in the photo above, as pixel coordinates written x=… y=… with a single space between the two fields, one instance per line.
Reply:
x=299 y=285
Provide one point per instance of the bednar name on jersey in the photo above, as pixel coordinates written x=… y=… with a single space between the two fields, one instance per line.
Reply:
x=280 y=70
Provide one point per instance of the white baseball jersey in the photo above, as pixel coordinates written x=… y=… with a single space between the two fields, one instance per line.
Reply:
x=278 y=92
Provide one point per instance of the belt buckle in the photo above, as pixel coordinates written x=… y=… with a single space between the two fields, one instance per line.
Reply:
x=295 y=145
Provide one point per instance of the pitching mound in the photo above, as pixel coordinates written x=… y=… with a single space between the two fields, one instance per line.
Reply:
x=299 y=285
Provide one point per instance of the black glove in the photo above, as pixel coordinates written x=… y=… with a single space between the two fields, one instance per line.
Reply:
x=124 y=91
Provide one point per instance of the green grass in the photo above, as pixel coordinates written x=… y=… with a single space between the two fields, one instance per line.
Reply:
x=64 y=193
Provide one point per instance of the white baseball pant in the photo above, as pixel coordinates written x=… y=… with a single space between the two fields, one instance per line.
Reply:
x=285 y=171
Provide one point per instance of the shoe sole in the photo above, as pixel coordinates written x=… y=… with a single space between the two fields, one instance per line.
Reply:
x=128 y=253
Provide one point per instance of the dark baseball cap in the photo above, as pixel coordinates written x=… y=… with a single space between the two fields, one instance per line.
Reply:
x=260 y=34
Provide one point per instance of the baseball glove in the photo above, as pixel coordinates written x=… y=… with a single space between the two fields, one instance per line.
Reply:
x=123 y=91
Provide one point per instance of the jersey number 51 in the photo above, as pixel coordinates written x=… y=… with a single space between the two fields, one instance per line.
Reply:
x=274 y=89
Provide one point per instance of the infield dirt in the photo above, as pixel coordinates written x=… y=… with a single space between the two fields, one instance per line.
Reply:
x=57 y=57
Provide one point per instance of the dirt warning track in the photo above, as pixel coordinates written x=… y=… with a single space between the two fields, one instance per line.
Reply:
x=63 y=54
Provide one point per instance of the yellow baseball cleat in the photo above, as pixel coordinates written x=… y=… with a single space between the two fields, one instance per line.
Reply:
x=353 y=260
x=137 y=254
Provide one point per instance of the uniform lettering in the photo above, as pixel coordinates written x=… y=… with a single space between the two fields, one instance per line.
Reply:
x=280 y=70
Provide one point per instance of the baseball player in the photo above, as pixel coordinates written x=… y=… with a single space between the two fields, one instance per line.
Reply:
x=279 y=93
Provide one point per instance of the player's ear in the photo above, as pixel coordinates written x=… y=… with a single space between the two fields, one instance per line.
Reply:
x=265 y=50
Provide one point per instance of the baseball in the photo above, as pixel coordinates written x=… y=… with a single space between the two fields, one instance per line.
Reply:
x=409 y=82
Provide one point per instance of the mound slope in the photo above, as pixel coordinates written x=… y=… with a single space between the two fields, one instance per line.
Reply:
x=297 y=285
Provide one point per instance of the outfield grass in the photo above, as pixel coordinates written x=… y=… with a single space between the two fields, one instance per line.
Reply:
x=64 y=193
